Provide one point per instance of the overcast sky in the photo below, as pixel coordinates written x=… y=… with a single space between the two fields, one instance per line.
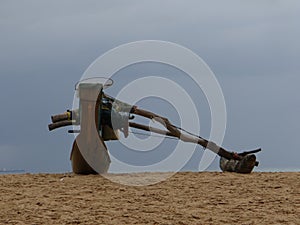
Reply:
x=252 y=47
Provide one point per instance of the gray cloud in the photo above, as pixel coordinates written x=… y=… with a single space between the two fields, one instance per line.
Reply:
x=253 y=47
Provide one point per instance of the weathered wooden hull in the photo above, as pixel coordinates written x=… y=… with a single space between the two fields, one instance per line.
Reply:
x=101 y=161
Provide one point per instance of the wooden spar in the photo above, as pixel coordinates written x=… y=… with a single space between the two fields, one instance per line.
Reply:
x=173 y=131
x=148 y=128
x=60 y=117
x=59 y=124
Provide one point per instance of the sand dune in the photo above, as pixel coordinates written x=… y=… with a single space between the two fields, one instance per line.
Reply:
x=185 y=198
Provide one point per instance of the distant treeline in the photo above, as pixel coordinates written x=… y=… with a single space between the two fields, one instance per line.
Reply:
x=11 y=171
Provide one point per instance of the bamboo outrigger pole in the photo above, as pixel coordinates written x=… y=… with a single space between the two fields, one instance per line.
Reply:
x=175 y=132
x=172 y=131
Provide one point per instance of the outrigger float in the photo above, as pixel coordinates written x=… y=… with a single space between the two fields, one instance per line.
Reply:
x=102 y=117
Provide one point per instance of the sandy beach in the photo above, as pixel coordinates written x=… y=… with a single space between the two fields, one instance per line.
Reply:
x=185 y=198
